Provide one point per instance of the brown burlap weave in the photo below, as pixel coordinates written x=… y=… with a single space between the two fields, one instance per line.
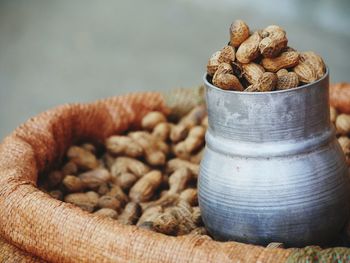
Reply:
x=33 y=223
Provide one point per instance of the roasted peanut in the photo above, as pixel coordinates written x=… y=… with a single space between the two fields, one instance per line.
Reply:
x=305 y=72
x=131 y=214
x=333 y=114
x=107 y=212
x=224 y=78
x=154 y=153
x=267 y=82
x=145 y=187
x=252 y=72
x=345 y=145
x=287 y=81
x=123 y=145
x=128 y=165
x=273 y=42
x=86 y=201
x=213 y=63
x=239 y=32
x=118 y=193
x=227 y=55
x=190 y=196
x=342 y=124
x=249 y=49
x=95 y=178
x=111 y=202
x=73 y=184
x=314 y=61
x=162 y=131
x=70 y=168
x=152 y=119
x=150 y=214
x=126 y=180
x=194 y=140
x=175 y=164
x=287 y=59
x=166 y=223
x=84 y=159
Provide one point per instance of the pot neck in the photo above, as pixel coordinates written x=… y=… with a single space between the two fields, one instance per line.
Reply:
x=295 y=114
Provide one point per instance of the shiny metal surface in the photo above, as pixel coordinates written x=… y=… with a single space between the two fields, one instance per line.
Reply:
x=273 y=169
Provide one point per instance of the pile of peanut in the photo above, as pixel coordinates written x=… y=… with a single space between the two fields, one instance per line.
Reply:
x=341 y=122
x=146 y=178
x=262 y=61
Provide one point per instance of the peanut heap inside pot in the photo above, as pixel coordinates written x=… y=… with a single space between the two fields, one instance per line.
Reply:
x=262 y=61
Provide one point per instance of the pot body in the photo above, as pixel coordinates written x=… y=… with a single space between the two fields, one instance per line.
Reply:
x=273 y=170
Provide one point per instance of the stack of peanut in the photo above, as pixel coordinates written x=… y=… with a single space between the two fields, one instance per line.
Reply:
x=262 y=61
x=146 y=178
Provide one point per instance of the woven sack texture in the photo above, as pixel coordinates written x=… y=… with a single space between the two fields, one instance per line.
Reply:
x=35 y=225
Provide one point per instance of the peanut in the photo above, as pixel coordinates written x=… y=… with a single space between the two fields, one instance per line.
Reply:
x=152 y=119
x=194 y=140
x=194 y=117
x=179 y=179
x=345 y=145
x=287 y=81
x=106 y=212
x=86 y=201
x=227 y=55
x=123 y=145
x=154 y=154
x=73 y=184
x=213 y=63
x=118 y=193
x=333 y=114
x=162 y=131
x=190 y=195
x=315 y=61
x=124 y=165
x=176 y=163
x=70 y=168
x=287 y=59
x=84 y=159
x=165 y=223
x=89 y=147
x=150 y=214
x=126 y=180
x=252 y=72
x=131 y=214
x=95 y=178
x=145 y=187
x=305 y=72
x=342 y=124
x=239 y=32
x=224 y=78
x=267 y=82
x=249 y=49
x=109 y=202
x=273 y=42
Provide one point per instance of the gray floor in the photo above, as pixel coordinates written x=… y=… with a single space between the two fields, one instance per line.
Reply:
x=53 y=52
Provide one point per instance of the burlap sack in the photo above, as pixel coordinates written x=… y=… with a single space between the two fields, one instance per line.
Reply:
x=36 y=226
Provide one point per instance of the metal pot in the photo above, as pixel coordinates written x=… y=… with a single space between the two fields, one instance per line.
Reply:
x=273 y=170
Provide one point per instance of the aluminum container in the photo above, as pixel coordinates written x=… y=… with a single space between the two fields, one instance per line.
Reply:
x=273 y=170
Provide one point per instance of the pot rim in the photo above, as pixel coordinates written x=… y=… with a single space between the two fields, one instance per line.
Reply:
x=305 y=86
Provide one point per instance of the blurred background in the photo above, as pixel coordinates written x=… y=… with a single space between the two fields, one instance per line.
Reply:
x=55 y=52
